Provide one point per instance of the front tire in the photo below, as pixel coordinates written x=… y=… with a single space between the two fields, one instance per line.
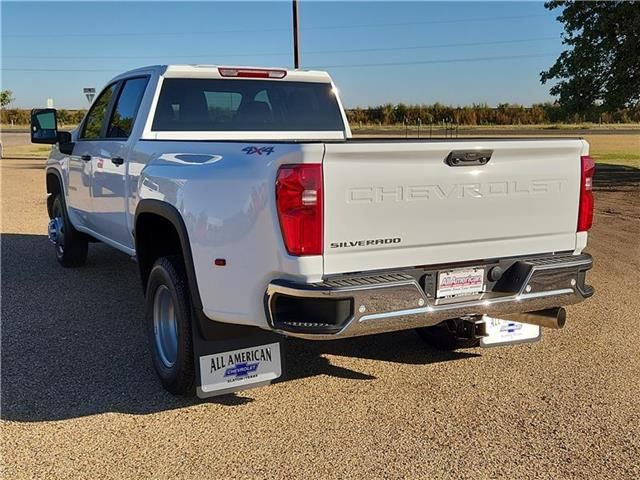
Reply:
x=168 y=316
x=71 y=245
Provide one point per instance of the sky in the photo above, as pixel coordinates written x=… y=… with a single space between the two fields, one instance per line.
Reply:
x=455 y=53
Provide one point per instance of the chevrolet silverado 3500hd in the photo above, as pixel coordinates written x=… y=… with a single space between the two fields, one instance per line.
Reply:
x=247 y=205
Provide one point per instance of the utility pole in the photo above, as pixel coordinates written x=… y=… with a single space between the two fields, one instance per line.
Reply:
x=296 y=36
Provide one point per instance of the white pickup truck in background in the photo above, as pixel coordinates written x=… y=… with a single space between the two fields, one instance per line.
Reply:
x=246 y=202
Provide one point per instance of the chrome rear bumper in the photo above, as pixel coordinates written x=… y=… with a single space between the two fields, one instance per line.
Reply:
x=368 y=304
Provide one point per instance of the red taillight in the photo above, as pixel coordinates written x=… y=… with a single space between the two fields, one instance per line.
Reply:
x=251 y=73
x=585 y=210
x=299 y=202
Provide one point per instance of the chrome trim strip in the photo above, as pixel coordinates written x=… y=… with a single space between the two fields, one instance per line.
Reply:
x=548 y=293
x=434 y=309
x=399 y=313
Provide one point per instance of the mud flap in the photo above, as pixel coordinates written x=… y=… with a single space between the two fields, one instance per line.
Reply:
x=230 y=358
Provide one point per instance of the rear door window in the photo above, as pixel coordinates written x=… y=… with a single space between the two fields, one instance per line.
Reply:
x=246 y=105
x=126 y=108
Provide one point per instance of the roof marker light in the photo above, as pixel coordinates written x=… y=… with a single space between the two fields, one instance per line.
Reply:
x=251 y=73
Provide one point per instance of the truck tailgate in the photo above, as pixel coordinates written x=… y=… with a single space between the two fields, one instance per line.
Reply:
x=397 y=204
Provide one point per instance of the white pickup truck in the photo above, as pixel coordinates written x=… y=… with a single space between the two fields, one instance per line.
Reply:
x=246 y=203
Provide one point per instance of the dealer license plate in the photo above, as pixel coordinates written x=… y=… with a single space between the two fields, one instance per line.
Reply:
x=505 y=332
x=467 y=281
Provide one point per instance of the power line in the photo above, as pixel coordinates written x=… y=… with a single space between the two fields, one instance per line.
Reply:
x=55 y=70
x=429 y=22
x=310 y=52
x=443 y=45
x=427 y=62
x=391 y=64
x=318 y=27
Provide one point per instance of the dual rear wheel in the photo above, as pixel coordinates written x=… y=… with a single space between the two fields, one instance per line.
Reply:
x=168 y=315
x=168 y=309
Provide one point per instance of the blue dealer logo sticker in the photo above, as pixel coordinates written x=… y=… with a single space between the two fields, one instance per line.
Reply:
x=241 y=370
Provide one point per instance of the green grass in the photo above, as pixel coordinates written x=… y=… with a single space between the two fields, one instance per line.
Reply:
x=627 y=159
x=555 y=126
x=7 y=127
x=26 y=151
x=613 y=149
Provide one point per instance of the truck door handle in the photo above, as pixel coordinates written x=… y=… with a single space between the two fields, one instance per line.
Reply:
x=86 y=157
x=463 y=158
x=117 y=160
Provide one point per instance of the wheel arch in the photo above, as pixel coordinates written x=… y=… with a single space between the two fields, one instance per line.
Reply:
x=54 y=186
x=153 y=216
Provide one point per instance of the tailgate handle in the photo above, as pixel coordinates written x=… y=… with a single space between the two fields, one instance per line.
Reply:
x=464 y=158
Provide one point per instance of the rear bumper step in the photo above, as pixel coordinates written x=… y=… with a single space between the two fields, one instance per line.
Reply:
x=368 y=304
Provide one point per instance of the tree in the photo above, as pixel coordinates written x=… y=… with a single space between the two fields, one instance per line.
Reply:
x=5 y=98
x=602 y=66
x=63 y=116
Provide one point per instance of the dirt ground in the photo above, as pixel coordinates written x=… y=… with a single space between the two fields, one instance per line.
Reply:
x=80 y=400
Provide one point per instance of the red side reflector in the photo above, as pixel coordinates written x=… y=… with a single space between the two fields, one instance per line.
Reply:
x=299 y=202
x=251 y=73
x=585 y=210
x=220 y=262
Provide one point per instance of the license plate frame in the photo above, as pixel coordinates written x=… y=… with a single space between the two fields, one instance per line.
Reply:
x=460 y=282
x=505 y=332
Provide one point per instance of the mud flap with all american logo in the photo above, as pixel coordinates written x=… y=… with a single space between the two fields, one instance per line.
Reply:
x=230 y=358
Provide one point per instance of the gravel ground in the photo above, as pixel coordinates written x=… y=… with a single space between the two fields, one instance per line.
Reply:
x=80 y=399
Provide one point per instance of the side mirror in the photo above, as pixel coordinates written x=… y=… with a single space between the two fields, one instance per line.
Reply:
x=44 y=126
x=65 y=143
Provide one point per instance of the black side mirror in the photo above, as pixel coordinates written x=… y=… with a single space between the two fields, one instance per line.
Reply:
x=65 y=143
x=44 y=126
x=64 y=137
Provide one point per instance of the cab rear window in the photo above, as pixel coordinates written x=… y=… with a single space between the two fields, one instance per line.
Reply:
x=209 y=105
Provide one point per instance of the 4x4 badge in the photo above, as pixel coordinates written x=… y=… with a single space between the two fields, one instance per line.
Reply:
x=258 y=150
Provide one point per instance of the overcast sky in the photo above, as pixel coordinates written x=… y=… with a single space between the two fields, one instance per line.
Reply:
x=416 y=52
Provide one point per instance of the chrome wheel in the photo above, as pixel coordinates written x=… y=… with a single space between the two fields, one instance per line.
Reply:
x=56 y=232
x=165 y=326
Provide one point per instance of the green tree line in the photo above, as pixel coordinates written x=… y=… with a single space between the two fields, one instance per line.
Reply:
x=483 y=114
x=21 y=116
x=397 y=114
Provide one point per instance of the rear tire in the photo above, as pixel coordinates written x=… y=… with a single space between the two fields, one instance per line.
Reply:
x=71 y=246
x=442 y=337
x=168 y=316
